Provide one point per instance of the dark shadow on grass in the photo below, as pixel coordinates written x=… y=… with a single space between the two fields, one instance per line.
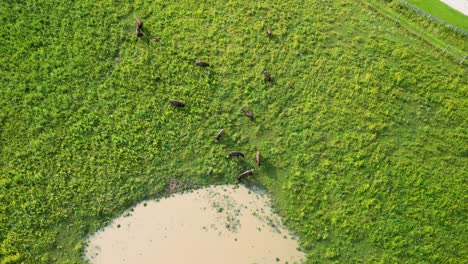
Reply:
x=245 y=164
x=270 y=82
x=269 y=169
x=147 y=37
x=254 y=120
x=227 y=141
x=185 y=110
x=251 y=119
x=252 y=183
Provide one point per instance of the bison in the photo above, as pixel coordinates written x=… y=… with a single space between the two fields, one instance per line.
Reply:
x=236 y=154
x=267 y=76
x=245 y=174
x=139 y=24
x=258 y=157
x=202 y=64
x=220 y=134
x=176 y=103
x=247 y=113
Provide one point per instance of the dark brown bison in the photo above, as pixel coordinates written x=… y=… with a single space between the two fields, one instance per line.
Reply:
x=267 y=76
x=139 y=24
x=236 y=154
x=258 y=157
x=268 y=32
x=202 y=64
x=245 y=174
x=247 y=113
x=176 y=103
x=220 y=134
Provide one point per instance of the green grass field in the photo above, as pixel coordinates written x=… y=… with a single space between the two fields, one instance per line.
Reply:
x=364 y=129
x=443 y=11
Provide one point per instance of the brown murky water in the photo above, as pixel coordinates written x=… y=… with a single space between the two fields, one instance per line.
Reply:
x=221 y=224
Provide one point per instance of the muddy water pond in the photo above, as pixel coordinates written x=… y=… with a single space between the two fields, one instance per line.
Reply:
x=220 y=224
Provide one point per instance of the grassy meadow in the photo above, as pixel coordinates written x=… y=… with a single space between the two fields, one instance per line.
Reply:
x=363 y=130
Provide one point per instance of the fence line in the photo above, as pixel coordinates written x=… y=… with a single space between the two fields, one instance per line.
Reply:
x=434 y=18
x=448 y=48
x=420 y=34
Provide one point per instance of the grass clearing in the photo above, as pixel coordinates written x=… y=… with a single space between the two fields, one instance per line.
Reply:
x=443 y=11
x=363 y=130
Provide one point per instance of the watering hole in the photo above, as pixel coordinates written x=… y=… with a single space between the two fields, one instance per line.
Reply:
x=220 y=224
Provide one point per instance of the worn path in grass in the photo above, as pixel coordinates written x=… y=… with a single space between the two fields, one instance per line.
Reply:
x=363 y=129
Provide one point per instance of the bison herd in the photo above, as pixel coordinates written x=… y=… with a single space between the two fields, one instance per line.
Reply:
x=247 y=113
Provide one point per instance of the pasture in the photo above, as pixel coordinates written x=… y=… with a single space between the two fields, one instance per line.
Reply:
x=363 y=129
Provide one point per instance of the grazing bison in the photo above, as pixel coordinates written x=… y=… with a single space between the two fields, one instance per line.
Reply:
x=139 y=24
x=268 y=32
x=247 y=113
x=236 y=154
x=202 y=64
x=176 y=103
x=245 y=174
x=220 y=134
x=258 y=157
x=267 y=76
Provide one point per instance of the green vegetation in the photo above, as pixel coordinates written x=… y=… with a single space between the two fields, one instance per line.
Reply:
x=363 y=131
x=442 y=11
x=434 y=33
